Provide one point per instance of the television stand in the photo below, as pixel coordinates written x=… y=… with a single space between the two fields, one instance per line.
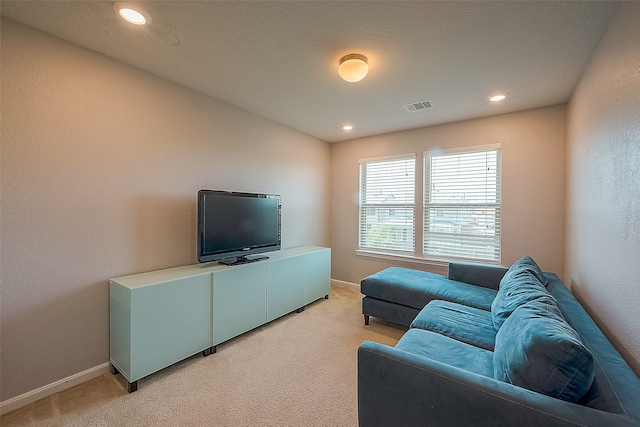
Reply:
x=242 y=260
x=161 y=317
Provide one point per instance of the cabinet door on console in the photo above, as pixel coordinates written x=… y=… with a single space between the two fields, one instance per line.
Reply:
x=317 y=274
x=169 y=322
x=285 y=285
x=239 y=300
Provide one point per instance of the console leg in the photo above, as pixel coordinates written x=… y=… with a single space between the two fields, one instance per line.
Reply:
x=366 y=319
x=131 y=387
x=208 y=351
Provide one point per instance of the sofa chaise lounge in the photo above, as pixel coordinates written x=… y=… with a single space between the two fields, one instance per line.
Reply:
x=489 y=346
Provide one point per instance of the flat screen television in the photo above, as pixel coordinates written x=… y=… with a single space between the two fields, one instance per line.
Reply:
x=233 y=225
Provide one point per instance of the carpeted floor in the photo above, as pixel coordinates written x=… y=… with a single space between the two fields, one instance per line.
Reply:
x=299 y=370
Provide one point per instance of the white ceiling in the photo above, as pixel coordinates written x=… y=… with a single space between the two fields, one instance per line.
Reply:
x=279 y=59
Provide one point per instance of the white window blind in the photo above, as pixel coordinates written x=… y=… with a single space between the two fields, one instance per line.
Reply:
x=461 y=215
x=387 y=204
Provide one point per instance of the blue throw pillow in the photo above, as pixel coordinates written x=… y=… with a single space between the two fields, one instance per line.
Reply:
x=538 y=350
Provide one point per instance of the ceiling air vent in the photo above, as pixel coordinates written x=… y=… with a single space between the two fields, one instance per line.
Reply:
x=418 y=106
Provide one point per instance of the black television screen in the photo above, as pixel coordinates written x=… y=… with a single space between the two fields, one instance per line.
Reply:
x=233 y=225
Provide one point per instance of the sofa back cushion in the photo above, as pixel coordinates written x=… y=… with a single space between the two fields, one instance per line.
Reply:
x=538 y=350
x=521 y=283
x=525 y=265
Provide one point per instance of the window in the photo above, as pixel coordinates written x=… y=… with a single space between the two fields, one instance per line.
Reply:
x=461 y=205
x=387 y=204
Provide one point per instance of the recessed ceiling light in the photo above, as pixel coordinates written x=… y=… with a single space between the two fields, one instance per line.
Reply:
x=497 y=97
x=131 y=13
x=347 y=127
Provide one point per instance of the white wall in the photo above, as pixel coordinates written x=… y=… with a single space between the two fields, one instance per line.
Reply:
x=101 y=164
x=603 y=184
x=533 y=172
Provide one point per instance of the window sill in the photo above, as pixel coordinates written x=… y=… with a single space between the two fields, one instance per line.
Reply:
x=401 y=257
x=417 y=259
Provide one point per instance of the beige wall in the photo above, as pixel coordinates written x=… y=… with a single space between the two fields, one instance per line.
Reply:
x=603 y=185
x=100 y=168
x=533 y=171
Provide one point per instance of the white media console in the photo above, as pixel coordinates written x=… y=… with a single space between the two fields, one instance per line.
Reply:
x=161 y=317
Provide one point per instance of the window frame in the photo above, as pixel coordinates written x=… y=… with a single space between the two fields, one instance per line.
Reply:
x=365 y=207
x=421 y=184
x=459 y=209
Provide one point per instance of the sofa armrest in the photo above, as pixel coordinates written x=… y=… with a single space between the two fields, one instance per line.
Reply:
x=396 y=388
x=488 y=276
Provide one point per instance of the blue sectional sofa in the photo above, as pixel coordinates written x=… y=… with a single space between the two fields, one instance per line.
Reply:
x=489 y=346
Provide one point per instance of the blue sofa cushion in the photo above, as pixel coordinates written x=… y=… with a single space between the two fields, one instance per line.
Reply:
x=519 y=285
x=525 y=265
x=538 y=350
x=415 y=288
x=510 y=298
x=467 y=324
x=447 y=350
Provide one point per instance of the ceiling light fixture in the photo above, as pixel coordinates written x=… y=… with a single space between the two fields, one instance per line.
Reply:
x=131 y=13
x=347 y=127
x=353 y=67
x=497 y=97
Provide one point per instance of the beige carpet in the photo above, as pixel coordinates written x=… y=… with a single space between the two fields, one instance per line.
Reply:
x=299 y=370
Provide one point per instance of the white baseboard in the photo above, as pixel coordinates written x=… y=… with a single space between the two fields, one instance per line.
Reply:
x=342 y=282
x=49 y=389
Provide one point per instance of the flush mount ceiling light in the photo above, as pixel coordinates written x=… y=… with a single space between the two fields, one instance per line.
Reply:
x=353 y=67
x=347 y=127
x=132 y=13
x=497 y=97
